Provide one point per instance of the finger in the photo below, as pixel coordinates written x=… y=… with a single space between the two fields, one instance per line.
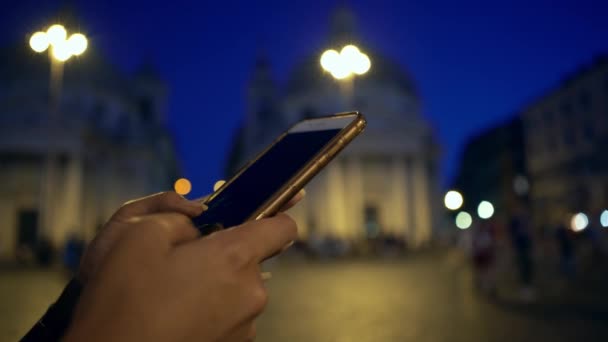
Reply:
x=263 y=238
x=294 y=200
x=172 y=227
x=161 y=202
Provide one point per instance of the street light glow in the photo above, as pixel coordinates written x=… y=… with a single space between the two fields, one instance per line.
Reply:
x=182 y=186
x=77 y=43
x=56 y=34
x=604 y=219
x=61 y=51
x=350 y=60
x=464 y=220
x=39 y=41
x=485 y=210
x=453 y=200
x=330 y=59
x=362 y=65
x=579 y=222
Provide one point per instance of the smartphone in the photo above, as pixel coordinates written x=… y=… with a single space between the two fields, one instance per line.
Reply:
x=267 y=182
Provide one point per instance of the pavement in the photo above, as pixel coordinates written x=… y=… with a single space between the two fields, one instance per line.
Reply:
x=422 y=297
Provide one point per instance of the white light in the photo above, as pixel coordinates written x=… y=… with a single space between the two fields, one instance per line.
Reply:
x=485 y=210
x=579 y=222
x=346 y=62
x=56 y=34
x=77 y=43
x=362 y=65
x=39 y=41
x=350 y=54
x=463 y=220
x=453 y=200
x=341 y=71
x=329 y=59
x=62 y=51
x=604 y=219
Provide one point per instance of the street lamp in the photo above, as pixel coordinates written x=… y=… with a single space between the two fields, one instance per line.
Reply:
x=344 y=65
x=60 y=48
x=348 y=62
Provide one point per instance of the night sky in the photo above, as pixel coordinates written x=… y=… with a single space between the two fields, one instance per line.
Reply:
x=475 y=62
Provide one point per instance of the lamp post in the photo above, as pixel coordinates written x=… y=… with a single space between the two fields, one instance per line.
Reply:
x=60 y=48
x=344 y=66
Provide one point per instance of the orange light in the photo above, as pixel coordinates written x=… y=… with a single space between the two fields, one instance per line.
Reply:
x=182 y=186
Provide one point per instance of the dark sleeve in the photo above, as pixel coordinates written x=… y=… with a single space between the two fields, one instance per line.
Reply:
x=53 y=325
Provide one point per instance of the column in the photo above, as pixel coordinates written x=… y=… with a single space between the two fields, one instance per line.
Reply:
x=421 y=203
x=68 y=198
x=398 y=216
x=353 y=185
x=335 y=187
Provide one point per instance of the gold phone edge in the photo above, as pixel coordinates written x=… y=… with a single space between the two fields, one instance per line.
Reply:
x=273 y=205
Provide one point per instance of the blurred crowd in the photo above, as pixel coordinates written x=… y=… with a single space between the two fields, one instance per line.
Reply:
x=533 y=259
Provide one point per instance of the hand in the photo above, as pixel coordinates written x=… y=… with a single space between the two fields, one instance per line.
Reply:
x=163 y=283
x=119 y=222
x=157 y=203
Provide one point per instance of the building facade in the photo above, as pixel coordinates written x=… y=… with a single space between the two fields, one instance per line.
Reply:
x=566 y=136
x=493 y=168
x=71 y=156
x=385 y=183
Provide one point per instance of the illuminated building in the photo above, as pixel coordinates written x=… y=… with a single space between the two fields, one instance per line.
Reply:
x=566 y=134
x=493 y=168
x=386 y=182
x=108 y=142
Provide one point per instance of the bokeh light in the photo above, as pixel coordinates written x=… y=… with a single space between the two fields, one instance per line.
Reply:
x=56 y=34
x=350 y=60
x=362 y=65
x=604 y=219
x=330 y=59
x=78 y=43
x=218 y=184
x=579 y=222
x=521 y=186
x=182 y=186
x=61 y=51
x=464 y=220
x=39 y=41
x=453 y=200
x=485 y=210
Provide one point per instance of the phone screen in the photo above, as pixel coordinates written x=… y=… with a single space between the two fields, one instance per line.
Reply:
x=241 y=198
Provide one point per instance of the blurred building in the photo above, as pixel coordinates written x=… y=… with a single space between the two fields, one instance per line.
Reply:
x=386 y=182
x=66 y=168
x=566 y=135
x=493 y=168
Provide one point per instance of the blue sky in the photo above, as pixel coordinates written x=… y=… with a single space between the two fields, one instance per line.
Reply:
x=475 y=62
